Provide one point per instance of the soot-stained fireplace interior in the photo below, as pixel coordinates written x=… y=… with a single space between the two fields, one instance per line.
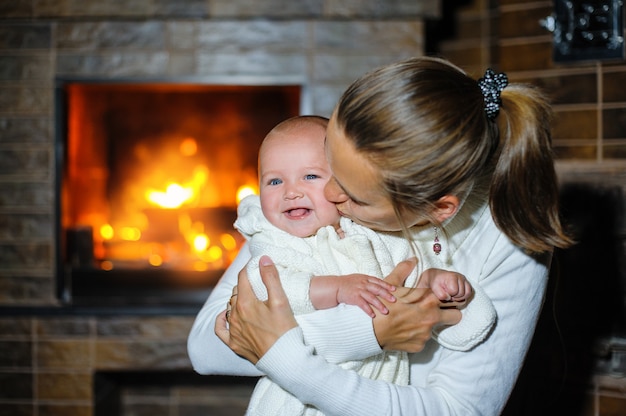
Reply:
x=148 y=179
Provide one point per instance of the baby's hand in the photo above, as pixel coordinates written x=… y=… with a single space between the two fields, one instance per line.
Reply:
x=364 y=291
x=446 y=285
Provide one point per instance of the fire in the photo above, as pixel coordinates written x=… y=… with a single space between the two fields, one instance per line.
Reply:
x=228 y=241
x=155 y=260
x=130 y=233
x=174 y=196
x=163 y=192
x=201 y=242
x=172 y=224
x=188 y=147
x=244 y=191
x=107 y=232
x=175 y=228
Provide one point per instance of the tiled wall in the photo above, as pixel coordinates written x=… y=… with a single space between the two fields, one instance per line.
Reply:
x=47 y=363
x=587 y=302
x=49 y=354
x=589 y=98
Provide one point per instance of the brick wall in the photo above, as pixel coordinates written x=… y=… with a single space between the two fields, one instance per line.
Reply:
x=589 y=98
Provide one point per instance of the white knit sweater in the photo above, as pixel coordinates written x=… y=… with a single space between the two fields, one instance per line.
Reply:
x=442 y=381
x=360 y=251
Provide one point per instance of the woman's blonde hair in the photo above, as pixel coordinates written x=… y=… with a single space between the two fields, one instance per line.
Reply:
x=422 y=122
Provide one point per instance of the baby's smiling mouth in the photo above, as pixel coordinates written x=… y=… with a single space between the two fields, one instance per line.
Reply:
x=297 y=212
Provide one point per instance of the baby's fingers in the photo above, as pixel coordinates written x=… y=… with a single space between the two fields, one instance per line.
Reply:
x=464 y=293
x=381 y=288
x=369 y=301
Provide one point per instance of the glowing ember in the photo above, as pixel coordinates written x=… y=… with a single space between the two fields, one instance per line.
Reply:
x=228 y=241
x=188 y=147
x=107 y=232
x=130 y=234
x=201 y=242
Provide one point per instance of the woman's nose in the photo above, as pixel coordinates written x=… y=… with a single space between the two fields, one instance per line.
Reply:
x=334 y=193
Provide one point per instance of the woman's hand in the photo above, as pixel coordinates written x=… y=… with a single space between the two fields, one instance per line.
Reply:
x=412 y=317
x=254 y=326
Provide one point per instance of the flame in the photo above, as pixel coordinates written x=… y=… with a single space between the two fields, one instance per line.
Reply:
x=174 y=196
x=188 y=147
x=205 y=249
x=107 y=232
x=106 y=265
x=215 y=253
x=244 y=191
x=155 y=260
x=130 y=233
x=228 y=241
x=201 y=242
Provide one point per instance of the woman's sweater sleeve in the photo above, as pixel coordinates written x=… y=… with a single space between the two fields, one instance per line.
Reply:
x=208 y=354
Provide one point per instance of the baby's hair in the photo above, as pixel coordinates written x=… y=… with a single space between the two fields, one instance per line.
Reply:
x=296 y=122
x=291 y=125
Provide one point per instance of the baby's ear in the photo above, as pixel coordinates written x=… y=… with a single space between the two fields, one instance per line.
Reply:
x=446 y=207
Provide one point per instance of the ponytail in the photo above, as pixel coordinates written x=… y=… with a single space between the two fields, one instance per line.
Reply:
x=524 y=195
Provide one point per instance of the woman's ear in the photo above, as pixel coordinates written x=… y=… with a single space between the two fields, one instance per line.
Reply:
x=446 y=207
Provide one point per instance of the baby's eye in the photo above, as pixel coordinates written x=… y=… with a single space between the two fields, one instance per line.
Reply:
x=275 y=181
x=311 y=176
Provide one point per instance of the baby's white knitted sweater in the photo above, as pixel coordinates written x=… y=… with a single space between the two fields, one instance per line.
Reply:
x=363 y=251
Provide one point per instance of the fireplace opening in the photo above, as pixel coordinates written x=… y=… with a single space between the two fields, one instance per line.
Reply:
x=149 y=175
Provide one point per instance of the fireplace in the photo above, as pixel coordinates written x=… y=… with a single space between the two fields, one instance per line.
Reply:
x=149 y=174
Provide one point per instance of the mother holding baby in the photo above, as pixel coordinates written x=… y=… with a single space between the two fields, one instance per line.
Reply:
x=419 y=147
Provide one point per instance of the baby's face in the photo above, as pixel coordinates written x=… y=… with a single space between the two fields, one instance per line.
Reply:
x=293 y=173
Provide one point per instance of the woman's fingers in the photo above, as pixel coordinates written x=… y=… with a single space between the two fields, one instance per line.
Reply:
x=251 y=326
x=399 y=274
x=221 y=328
x=411 y=319
x=277 y=301
x=450 y=316
x=244 y=288
x=271 y=279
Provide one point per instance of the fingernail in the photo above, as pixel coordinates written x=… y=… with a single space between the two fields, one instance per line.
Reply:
x=265 y=261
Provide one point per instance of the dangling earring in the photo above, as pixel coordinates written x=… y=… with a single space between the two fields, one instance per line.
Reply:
x=436 y=245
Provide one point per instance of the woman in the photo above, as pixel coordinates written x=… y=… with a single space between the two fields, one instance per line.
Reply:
x=465 y=170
